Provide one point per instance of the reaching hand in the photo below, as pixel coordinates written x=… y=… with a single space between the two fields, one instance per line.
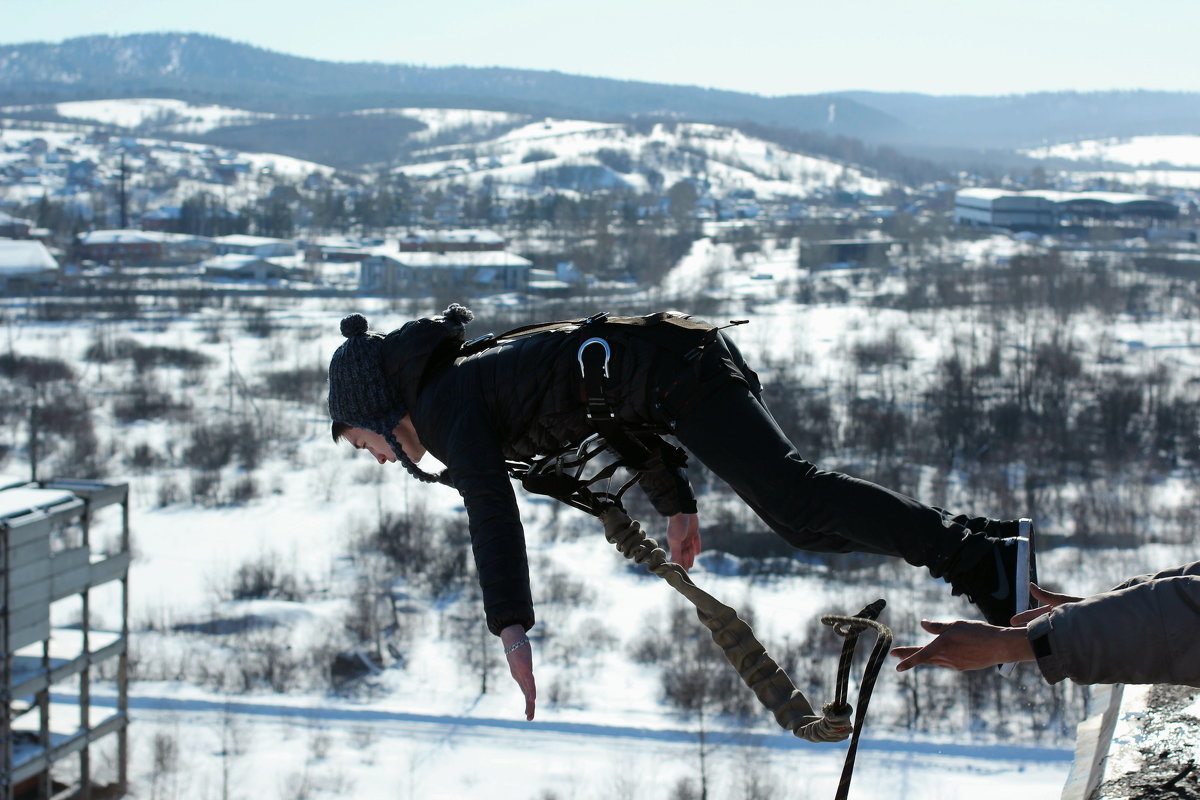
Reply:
x=683 y=538
x=1049 y=600
x=966 y=645
x=520 y=665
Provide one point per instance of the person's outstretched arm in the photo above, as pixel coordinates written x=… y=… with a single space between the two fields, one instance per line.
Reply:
x=497 y=541
x=967 y=645
x=1142 y=633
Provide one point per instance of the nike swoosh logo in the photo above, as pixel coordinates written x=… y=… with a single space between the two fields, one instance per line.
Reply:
x=1001 y=576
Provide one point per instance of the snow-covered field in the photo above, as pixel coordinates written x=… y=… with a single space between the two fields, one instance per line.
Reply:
x=1172 y=161
x=423 y=729
x=176 y=116
x=1136 y=151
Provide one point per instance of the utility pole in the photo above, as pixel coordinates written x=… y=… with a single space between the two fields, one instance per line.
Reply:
x=122 y=196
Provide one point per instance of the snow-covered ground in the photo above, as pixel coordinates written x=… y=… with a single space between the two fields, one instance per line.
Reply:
x=149 y=160
x=176 y=116
x=1136 y=151
x=423 y=729
x=380 y=750
x=1172 y=161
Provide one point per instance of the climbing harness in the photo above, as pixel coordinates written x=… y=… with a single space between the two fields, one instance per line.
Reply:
x=562 y=476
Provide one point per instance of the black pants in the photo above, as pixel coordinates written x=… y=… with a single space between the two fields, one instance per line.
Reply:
x=730 y=430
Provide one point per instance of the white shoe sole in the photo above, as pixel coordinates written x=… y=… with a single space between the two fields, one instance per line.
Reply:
x=1024 y=558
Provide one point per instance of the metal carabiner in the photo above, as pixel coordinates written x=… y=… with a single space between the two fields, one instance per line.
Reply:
x=607 y=354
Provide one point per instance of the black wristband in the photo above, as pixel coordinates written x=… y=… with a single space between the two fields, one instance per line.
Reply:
x=1041 y=646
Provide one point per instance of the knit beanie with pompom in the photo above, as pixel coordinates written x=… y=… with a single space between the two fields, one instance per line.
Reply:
x=359 y=394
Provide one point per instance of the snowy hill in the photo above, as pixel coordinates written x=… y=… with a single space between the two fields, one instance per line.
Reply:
x=158 y=114
x=174 y=145
x=68 y=161
x=580 y=154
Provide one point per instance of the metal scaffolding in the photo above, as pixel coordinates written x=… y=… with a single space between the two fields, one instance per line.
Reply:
x=47 y=555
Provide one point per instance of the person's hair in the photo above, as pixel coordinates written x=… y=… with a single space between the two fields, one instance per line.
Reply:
x=339 y=430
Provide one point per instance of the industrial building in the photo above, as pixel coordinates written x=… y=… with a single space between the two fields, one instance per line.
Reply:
x=1045 y=210
x=64 y=567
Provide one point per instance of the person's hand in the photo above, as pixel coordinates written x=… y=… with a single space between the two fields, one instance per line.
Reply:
x=965 y=645
x=683 y=538
x=520 y=665
x=1048 y=600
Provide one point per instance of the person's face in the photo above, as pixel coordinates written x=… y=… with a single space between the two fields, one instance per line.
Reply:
x=377 y=445
x=373 y=443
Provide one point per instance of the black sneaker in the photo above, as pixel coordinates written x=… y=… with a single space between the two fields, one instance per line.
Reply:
x=1026 y=531
x=1030 y=533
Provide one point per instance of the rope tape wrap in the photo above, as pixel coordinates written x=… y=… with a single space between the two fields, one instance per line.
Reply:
x=749 y=658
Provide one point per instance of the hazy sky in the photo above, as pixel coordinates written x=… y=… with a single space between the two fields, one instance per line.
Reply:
x=769 y=47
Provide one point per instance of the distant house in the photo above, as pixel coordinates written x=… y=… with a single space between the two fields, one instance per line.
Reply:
x=238 y=267
x=13 y=228
x=451 y=241
x=393 y=272
x=848 y=253
x=127 y=247
x=25 y=263
x=334 y=250
x=81 y=173
x=546 y=282
x=162 y=219
x=244 y=244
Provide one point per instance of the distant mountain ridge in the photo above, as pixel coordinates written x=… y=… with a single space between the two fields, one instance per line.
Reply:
x=210 y=69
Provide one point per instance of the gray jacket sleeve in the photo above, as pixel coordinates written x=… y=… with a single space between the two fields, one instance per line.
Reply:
x=1143 y=631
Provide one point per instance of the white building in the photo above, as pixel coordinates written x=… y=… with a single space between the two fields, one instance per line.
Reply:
x=238 y=267
x=25 y=263
x=395 y=272
x=246 y=245
x=445 y=241
x=1045 y=209
x=131 y=247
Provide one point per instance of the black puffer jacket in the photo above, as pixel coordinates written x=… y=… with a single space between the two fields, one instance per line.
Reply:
x=523 y=398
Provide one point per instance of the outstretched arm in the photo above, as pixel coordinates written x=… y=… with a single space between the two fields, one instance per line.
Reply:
x=966 y=645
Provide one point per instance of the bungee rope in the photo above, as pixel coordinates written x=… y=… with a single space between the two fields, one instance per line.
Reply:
x=561 y=477
x=749 y=658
